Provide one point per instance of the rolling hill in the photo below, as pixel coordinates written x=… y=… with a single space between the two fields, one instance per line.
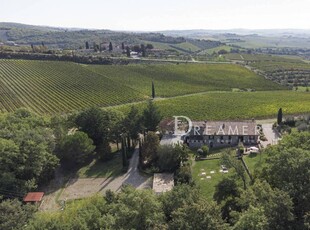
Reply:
x=49 y=87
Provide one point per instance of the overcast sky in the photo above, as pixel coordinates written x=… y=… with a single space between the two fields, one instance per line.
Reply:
x=160 y=14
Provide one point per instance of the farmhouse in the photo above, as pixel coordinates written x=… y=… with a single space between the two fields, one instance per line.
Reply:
x=222 y=133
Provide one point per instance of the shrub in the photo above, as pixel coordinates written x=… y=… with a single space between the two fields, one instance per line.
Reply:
x=205 y=150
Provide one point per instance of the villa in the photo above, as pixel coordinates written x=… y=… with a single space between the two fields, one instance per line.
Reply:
x=222 y=133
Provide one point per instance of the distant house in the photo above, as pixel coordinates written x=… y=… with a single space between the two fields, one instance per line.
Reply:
x=134 y=54
x=11 y=43
x=222 y=133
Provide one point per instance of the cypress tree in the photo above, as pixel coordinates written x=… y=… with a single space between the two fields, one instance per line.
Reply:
x=110 y=46
x=153 y=90
x=128 y=51
x=124 y=152
x=280 y=116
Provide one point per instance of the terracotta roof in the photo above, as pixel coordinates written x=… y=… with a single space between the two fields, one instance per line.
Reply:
x=34 y=197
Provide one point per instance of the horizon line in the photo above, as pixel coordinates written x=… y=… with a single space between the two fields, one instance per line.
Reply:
x=158 y=30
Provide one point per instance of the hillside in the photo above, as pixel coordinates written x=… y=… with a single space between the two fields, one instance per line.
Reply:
x=232 y=105
x=49 y=87
x=53 y=87
x=74 y=38
x=173 y=80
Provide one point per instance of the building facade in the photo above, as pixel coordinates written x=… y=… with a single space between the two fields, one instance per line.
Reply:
x=217 y=134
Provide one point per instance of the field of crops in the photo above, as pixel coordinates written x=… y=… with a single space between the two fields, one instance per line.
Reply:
x=233 y=106
x=174 y=80
x=48 y=87
x=53 y=87
x=216 y=49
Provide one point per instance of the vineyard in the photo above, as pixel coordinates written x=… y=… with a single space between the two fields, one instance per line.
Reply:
x=53 y=87
x=233 y=106
x=49 y=87
x=174 y=80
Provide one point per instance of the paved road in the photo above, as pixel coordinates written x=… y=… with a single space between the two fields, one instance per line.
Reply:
x=271 y=135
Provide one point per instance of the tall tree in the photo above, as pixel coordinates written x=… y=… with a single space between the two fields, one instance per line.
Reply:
x=86 y=45
x=151 y=117
x=153 y=90
x=124 y=152
x=275 y=205
x=95 y=123
x=279 y=120
x=132 y=125
x=123 y=46
x=288 y=169
x=76 y=148
x=127 y=51
x=15 y=215
x=110 y=47
x=26 y=151
x=202 y=215
x=149 y=151
x=231 y=162
x=143 y=50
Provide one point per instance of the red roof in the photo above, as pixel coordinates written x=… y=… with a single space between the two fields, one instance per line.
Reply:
x=34 y=197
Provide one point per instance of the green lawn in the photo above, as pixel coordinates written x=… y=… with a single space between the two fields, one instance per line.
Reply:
x=97 y=168
x=254 y=160
x=208 y=185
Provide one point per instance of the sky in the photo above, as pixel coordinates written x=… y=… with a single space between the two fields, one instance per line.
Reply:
x=154 y=15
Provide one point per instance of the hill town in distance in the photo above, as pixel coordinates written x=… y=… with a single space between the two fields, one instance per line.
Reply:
x=153 y=129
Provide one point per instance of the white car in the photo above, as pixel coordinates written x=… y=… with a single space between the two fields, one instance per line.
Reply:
x=254 y=150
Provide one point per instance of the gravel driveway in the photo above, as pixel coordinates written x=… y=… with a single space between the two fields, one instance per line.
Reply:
x=271 y=135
